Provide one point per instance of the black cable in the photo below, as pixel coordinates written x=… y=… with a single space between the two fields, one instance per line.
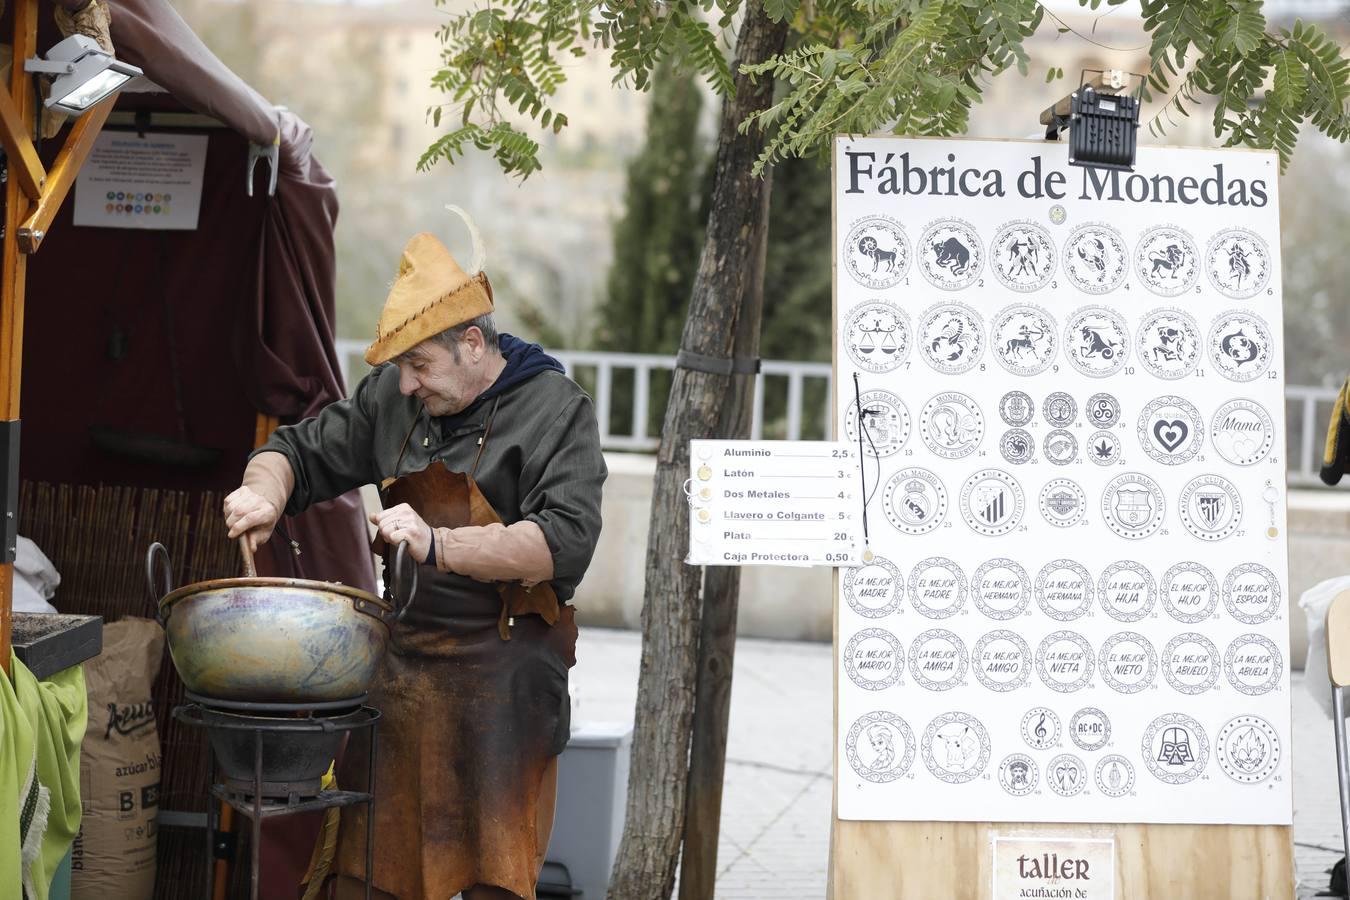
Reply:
x=862 y=466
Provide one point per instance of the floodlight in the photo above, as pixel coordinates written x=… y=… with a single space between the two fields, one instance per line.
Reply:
x=1103 y=122
x=85 y=74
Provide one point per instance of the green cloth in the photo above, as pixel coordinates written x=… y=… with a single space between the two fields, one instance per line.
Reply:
x=41 y=726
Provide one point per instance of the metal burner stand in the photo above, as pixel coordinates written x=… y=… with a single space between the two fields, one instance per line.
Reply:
x=255 y=802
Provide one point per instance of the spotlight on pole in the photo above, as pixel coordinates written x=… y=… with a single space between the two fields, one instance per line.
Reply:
x=1102 y=119
x=84 y=73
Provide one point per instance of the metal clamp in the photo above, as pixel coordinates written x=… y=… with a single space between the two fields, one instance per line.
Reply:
x=401 y=593
x=270 y=152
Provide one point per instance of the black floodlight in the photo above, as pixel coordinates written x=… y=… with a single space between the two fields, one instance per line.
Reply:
x=1103 y=121
x=84 y=73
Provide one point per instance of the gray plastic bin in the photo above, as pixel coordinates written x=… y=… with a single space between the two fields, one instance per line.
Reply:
x=592 y=792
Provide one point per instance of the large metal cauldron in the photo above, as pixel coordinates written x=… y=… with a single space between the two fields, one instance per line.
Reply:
x=276 y=640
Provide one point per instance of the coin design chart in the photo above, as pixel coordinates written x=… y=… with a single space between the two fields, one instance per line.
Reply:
x=1090 y=729
x=1096 y=259
x=951 y=255
x=874 y=659
x=1175 y=748
x=1060 y=447
x=1064 y=661
x=1066 y=775
x=951 y=425
x=1171 y=431
x=1251 y=593
x=955 y=747
x=1023 y=339
x=1210 y=507
x=1040 y=728
x=1102 y=411
x=880 y=747
x=1103 y=448
x=1017 y=446
x=1168 y=343
x=876 y=253
x=1127 y=662
x=1240 y=346
x=1018 y=774
x=937 y=588
x=874 y=590
x=1059 y=410
x=938 y=660
x=1237 y=262
x=1191 y=663
x=1096 y=341
x=876 y=336
x=1189 y=592
x=1064 y=590
x=915 y=501
x=951 y=338
x=885 y=423
x=1001 y=660
x=992 y=502
x=1016 y=408
x=1166 y=261
x=1063 y=503
x=1022 y=256
x=1248 y=748
x=1115 y=775
x=1001 y=589
x=1253 y=664
x=1126 y=591
x=1132 y=505
x=1242 y=432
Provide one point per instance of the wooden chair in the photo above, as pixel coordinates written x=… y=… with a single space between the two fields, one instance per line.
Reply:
x=1338 y=668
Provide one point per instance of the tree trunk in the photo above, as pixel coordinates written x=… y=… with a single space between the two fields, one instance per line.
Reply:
x=728 y=277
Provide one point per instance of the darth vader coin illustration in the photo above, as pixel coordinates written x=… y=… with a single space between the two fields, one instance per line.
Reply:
x=1191 y=663
x=955 y=747
x=1001 y=660
x=1040 y=728
x=1127 y=662
x=951 y=425
x=1171 y=430
x=876 y=336
x=1064 y=661
x=951 y=338
x=1132 y=505
x=1066 y=775
x=874 y=659
x=950 y=254
x=1096 y=341
x=1103 y=448
x=1175 y=748
x=1059 y=410
x=876 y=252
x=937 y=588
x=1242 y=432
x=1064 y=590
x=1017 y=446
x=1210 y=507
x=1018 y=775
x=1240 y=346
x=1248 y=749
x=1253 y=664
x=1166 y=261
x=1115 y=775
x=1001 y=589
x=992 y=502
x=1126 y=591
x=1063 y=503
x=915 y=501
x=1016 y=408
x=1189 y=592
x=1023 y=256
x=880 y=747
x=1251 y=594
x=1168 y=343
x=1090 y=729
x=1102 y=411
x=1096 y=259
x=1023 y=339
x=1060 y=447
x=938 y=660
x=1237 y=262
x=885 y=423
x=874 y=589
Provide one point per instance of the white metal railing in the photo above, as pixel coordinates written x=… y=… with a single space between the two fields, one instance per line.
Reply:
x=1306 y=408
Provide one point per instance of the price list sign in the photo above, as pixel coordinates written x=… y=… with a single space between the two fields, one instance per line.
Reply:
x=773 y=503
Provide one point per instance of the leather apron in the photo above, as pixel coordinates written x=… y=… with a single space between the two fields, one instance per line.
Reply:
x=475 y=711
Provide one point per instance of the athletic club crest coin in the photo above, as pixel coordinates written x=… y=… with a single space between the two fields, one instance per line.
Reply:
x=1210 y=507
x=1096 y=259
x=876 y=252
x=951 y=425
x=1168 y=343
x=1171 y=431
x=876 y=336
x=1023 y=256
x=992 y=502
x=1237 y=262
x=915 y=501
x=1096 y=341
x=1175 y=748
x=880 y=747
x=1023 y=339
x=1240 y=346
x=951 y=338
x=885 y=423
x=1166 y=261
x=950 y=254
x=1132 y=505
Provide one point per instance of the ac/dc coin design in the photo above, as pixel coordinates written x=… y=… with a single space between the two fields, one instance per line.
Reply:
x=1102 y=411
x=1189 y=592
x=992 y=502
x=876 y=252
x=1171 y=430
x=876 y=336
x=938 y=660
x=1001 y=660
x=874 y=589
x=1251 y=593
x=1127 y=662
x=1103 y=448
x=1018 y=775
x=1064 y=590
x=937 y=588
x=1016 y=408
x=1059 y=410
x=950 y=254
x=885 y=423
x=1168 y=343
x=951 y=425
x=1242 y=432
x=1132 y=505
x=1210 y=507
x=915 y=501
x=1064 y=661
x=1237 y=262
x=1001 y=589
x=1096 y=341
x=1090 y=729
x=880 y=747
x=1066 y=775
x=955 y=747
x=1096 y=259
x=1240 y=346
x=1253 y=664
x=1126 y=591
x=1175 y=748
x=1060 y=447
x=1017 y=446
x=1166 y=261
x=874 y=659
x=1063 y=503
x=1248 y=749
x=1115 y=775
x=951 y=338
x=1040 y=728
x=1023 y=339
x=1023 y=256
x=1191 y=663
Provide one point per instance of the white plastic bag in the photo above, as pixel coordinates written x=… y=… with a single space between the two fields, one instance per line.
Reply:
x=1315 y=602
x=35 y=579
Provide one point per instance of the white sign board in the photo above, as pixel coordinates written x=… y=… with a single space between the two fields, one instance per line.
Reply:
x=141 y=181
x=1036 y=868
x=1072 y=396
x=773 y=503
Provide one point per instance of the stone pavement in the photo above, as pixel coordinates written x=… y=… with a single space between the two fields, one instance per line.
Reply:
x=775 y=834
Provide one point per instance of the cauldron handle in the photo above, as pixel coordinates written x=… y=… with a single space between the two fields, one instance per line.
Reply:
x=401 y=594
x=158 y=554
x=250 y=570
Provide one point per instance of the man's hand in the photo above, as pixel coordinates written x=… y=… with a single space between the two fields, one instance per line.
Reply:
x=248 y=512
x=400 y=523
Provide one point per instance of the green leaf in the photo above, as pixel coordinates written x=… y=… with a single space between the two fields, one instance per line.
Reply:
x=781 y=10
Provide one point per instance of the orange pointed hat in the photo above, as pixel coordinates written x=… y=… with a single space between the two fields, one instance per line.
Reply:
x=430 y=294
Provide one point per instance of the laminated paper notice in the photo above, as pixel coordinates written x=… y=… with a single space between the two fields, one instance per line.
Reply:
x=142 y=181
